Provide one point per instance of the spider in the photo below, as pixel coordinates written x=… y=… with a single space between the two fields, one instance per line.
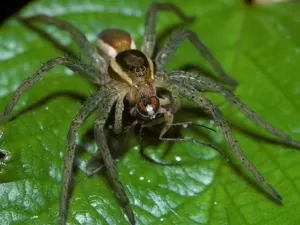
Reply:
x=125 y=75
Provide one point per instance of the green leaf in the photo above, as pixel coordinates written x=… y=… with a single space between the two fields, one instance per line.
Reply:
x=258 y=46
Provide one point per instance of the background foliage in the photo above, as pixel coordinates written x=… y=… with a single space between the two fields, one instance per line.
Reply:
x=259 y=46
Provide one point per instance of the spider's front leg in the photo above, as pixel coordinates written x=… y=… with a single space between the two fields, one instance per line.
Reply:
x=150 y=24
x=72 y=64
x=102 y=115
x=80 y=39
x=200 y=100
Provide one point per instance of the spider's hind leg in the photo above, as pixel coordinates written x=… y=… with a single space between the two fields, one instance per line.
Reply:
x=204 y=84
x=198 y=98
x=257 y=120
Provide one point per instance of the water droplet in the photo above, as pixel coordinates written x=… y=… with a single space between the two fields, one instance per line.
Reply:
x=178 y=158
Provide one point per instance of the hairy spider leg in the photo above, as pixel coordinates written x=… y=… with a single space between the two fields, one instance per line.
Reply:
x=168 y=107
x=204 y=84
x=199 y=99
x=88 y=107
x=169 y=118
x=74 y=65
x=102 y=115
x=80 y=39
x=150 y=24
x=117 y=128
x=176 y=40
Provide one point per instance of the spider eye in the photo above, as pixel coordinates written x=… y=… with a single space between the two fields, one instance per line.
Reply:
x=132 y=69
x=148 y=107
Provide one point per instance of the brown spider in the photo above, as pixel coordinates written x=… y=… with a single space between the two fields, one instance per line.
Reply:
x=126 y=75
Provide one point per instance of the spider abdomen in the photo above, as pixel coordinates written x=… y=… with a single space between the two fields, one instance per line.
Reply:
x=111 y=42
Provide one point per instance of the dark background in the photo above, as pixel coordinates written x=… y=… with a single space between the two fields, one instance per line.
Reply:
x=8 y=8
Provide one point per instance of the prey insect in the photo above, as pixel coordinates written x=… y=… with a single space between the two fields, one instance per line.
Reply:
x=136 y=77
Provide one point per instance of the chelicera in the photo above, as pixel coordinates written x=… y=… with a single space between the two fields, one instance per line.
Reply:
x=125 y=74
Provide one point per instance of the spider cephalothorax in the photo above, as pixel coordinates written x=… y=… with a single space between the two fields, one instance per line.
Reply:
x=134 y=72
x=126 y=74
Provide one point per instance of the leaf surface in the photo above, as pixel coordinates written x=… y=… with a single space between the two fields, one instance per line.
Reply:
x=258 y=46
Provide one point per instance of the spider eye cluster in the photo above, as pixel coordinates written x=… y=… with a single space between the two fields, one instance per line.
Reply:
x=148 y=107
x=132 y=66
x=132 y=60
x=139 y=71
